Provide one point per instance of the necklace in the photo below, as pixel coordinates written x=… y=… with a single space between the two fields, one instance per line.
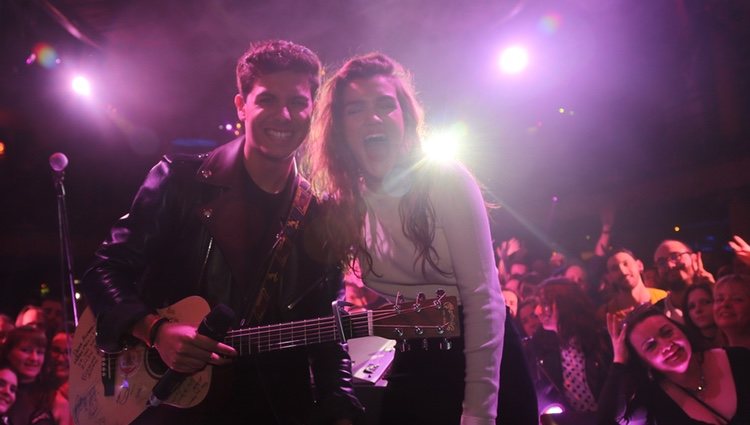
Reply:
x=701 y=382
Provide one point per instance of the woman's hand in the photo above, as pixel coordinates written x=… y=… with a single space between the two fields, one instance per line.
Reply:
x=616 y=329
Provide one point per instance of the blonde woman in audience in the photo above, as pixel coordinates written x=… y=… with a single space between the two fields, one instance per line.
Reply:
x=732 y=309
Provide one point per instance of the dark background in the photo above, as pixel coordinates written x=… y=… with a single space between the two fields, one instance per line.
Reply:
x=658 y=90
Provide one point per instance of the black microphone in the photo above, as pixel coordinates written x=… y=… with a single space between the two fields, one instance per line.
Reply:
x=215 y=325
x=58 y=161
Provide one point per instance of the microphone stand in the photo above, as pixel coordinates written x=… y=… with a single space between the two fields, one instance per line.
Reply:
x=66 y=258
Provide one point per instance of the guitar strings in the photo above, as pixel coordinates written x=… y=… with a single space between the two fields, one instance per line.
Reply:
x=297 y=333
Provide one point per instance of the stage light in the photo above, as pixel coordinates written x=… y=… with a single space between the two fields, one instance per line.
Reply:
x=444 y=144
x=553 y=409
x=2 y=149
x=81 y=86
x=228 y=127
x=676 y=228
x=513 y=60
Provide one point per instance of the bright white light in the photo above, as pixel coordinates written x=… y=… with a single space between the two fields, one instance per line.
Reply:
x=81 y=86
x=444 y=144
x=514 y=59
x=553 y=409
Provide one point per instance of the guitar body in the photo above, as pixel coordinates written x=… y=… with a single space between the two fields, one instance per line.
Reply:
x=136 y=371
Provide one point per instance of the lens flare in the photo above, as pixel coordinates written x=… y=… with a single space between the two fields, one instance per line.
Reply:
x=44 y=54
x=550 y=23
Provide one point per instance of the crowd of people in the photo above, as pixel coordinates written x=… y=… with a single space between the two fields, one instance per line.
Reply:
x=606 y=345
x=34 y=366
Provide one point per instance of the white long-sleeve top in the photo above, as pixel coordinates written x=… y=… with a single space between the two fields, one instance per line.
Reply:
x=464 y=248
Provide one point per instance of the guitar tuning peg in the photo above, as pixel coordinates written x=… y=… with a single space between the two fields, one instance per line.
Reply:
x=446 y=344
x=439 y=300
x=399 y=301
x=419 y=302
x=403 y=346
x=425 y=344
x=399 y=333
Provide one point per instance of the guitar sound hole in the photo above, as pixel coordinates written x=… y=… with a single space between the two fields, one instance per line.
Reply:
x=155 y=366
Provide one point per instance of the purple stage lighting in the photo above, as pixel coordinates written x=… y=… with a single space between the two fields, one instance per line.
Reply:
x=81 y=86
x=514 y=60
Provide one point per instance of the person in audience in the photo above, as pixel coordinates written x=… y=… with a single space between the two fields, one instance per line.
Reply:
x=8 y=389
x=528 y=285
x=678 y=267
x=571 y=355
x=732 y=309
x=53 y=315
x=6 y=325
x=627 y=286
x=59 y=363
x=658 y=377
x=511 y=301
x=31 y=315
x=576 y=272
x=25 y=350
x=699 y=317
x=528 y=321
x=510 y=263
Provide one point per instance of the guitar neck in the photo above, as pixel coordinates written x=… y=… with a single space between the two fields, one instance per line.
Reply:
x=261 y=339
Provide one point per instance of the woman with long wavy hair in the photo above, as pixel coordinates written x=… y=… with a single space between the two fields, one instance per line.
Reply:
x=415 y=226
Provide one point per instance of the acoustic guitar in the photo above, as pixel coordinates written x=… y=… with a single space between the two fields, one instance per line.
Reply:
x=114 y=388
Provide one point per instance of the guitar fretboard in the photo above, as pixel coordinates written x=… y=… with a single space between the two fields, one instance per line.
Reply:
x=300 y=333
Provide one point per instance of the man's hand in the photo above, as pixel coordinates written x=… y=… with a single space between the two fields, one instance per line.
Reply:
x=700 y=270
x=741 y=249
x=184 y=350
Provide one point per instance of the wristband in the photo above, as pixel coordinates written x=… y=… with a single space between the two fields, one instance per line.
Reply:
x=154 y=329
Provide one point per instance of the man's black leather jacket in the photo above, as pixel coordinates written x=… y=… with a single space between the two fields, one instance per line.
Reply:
x=180 y=239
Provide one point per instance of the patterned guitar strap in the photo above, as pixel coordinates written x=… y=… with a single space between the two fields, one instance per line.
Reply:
x=283 y=247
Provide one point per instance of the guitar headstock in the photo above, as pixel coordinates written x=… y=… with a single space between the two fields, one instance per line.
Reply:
x=424 y=318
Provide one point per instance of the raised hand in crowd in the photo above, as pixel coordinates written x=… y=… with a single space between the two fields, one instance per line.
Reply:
x=701 y=271
x=741 y=249
x=616 y=329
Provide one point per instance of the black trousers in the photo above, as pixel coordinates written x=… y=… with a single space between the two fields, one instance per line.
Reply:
x=427 y=387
